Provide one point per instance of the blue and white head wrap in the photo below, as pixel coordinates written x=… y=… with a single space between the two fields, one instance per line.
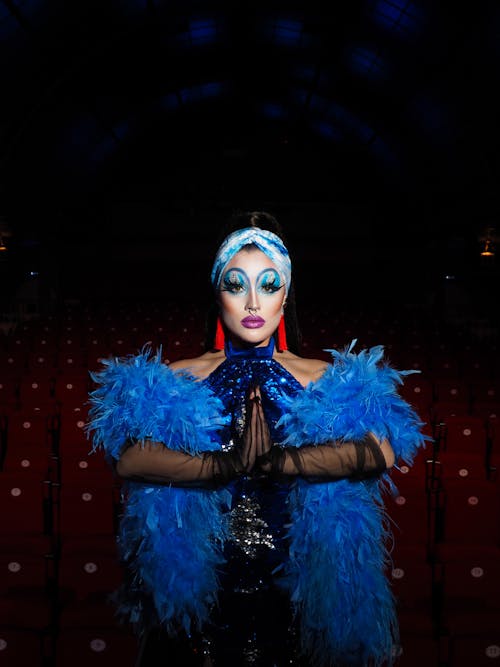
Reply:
x=267 y=241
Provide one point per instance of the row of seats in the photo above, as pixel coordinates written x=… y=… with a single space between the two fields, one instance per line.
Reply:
x=59 y=559
x=441 y=346
x=42 y=385
x=444 y=526
x=45 y=395
x=58 y=553
x=61 y=506
x=64 y=353
x=30 y=420
x=445 y=569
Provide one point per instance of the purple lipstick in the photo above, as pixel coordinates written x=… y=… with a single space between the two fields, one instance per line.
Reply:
x=253 y=322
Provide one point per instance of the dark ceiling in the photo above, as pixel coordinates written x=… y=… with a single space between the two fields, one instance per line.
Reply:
x=389 y=106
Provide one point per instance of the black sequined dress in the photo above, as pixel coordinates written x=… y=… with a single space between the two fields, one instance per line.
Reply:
x=253 y=624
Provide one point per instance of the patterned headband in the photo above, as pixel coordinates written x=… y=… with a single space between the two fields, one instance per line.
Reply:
x=268 y=242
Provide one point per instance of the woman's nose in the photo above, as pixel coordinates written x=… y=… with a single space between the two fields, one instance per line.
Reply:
x=252 y=301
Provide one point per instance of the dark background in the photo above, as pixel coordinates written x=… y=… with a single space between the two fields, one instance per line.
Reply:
x=129 y=131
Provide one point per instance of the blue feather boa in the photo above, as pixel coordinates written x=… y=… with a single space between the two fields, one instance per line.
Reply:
x=139 y=396
x=338 y=530
x=357 y=393
x=173 y=537
x=170 y=538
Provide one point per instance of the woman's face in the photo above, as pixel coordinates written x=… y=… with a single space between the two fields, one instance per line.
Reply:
x=251 y=296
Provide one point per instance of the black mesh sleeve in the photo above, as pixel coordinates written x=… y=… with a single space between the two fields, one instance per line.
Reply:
x=155 y=463
x=359 y=459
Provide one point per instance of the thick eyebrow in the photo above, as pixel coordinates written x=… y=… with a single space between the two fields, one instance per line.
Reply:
x=241 y=275
x=276 y=274
x=237 y=270
x=270 y=269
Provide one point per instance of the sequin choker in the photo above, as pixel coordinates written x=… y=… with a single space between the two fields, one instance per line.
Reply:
x=250 y=352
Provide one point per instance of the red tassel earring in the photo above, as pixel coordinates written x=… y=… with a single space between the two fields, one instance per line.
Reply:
x=220 y=339
x=282 y=344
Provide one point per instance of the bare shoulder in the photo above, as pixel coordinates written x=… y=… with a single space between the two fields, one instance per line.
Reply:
x=200 y=367
x=305 y=370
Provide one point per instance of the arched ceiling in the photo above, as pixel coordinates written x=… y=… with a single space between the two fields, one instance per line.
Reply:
x=320 y=101
x=387 y=91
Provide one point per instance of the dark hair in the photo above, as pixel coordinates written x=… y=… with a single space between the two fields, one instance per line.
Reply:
x=263 y=220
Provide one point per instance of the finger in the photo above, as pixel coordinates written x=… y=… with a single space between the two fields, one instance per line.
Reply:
x=265 y=442
x=256 y=399
x=374 y=438
x=250 y=397
x=258 y=436
x=252 y=437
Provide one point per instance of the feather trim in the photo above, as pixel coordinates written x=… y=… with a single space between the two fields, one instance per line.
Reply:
x=336 y=575
x=339 y=531
x=170 y=538
x=140 y=397
x=357 y=393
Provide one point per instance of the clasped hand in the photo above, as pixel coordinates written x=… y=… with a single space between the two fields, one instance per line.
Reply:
x=255 y=442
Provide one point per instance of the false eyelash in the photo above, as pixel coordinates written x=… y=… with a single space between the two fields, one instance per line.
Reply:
x=230 y=285
x=232 y=282
x=276 y=289
x=227 y=289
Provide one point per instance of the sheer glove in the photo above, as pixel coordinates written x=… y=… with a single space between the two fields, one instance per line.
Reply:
x=153 y=462
x=259 y=433
x=360 y=459
x=255 y=441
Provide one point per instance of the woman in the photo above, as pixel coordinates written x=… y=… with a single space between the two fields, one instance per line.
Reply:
x=253 y=525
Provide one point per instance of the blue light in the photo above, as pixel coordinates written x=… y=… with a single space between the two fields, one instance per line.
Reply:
x=11 y=32
x=351 y=123
x=399 y=16
x=200 y=33
x=285 y=31
x=365 y=61
x=213 y=89
x=327 y=130
x=29 y=7
x=390 y=12
x=201 y=92
x=4 y=14
x=333 y=121
x=306 y=73
x=273 y=110
x=288 y=32
x=318 y=104
x=203 y=32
